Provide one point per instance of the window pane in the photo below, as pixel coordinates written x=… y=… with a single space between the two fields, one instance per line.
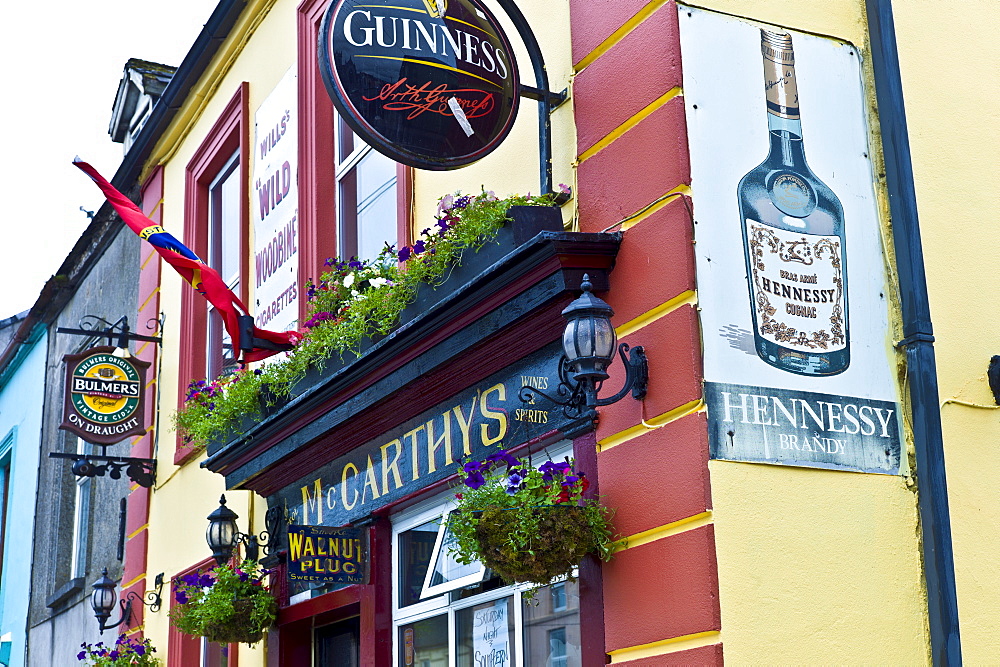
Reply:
x=485 y=634
x=224 y=226
x=376 y=204
x=368 y=206
x=415 y=547
x=446 y=572
x=339 y=644
x=220 y=353
x=552 y=626
x=345 y=137
x=424 y=643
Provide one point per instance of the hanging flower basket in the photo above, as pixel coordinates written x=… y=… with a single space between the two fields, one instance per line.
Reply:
x=564 y=537
x=239 y=628
x=529 y=525
x=224 y=605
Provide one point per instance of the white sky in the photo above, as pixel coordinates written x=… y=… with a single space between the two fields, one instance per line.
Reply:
x=60 y=75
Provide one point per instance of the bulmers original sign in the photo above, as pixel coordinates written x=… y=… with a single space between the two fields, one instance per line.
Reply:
x=430 y=83
x=104 y=396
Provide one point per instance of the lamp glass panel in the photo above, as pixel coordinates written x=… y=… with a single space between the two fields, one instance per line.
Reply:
x=604 y=338
x=585 y=336
x=221 y=534
x=103 y=599
x=569 y=341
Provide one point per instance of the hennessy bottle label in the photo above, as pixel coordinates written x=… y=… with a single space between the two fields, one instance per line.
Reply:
x=797 y=283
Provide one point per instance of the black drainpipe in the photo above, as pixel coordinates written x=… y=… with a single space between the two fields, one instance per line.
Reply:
x=918 y=341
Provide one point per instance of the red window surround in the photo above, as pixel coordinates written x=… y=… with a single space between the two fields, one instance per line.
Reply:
x=229 y=134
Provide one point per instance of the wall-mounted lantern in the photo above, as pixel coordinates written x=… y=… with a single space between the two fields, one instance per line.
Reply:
x=588 y=350
x=223 y=535
x=104 y=600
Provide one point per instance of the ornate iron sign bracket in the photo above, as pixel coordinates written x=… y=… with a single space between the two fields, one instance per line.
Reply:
x=140 y=471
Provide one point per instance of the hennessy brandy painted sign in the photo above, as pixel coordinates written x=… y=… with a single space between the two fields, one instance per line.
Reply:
x=104 y=396
x=793 y=291
x=430 y=83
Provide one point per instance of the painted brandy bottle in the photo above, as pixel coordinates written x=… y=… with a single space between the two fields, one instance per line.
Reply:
x=793 y=237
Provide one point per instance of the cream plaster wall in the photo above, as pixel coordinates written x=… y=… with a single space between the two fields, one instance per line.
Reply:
x=816 y=566
x=185 y=495
x=513 y=167
x=948 y=61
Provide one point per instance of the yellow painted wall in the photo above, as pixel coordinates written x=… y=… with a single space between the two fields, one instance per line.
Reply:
x=260 y=50
x=948 y=62
x=513 y=166
x=816 y=566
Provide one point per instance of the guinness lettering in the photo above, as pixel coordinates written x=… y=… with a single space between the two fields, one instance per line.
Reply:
x=431 y=85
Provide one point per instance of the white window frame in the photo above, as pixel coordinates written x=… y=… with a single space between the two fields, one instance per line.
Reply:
x=439 y=507
x=428 y=590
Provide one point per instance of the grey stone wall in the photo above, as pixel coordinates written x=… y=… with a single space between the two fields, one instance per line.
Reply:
x=55 y=630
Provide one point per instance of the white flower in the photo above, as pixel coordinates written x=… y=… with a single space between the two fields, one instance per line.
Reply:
x=445 y=204
x=348 y=280
x=378 y=282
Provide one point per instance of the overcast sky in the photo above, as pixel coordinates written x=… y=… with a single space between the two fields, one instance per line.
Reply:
x=61 y=69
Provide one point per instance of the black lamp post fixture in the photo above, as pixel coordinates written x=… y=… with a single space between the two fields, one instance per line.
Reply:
x=223 y=535
x=588 y=350
x=104 y=600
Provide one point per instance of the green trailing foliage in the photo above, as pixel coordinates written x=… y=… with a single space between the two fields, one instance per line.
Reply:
x=528 y=524
x=125 y=652
x=226 y=604
x=353 y=300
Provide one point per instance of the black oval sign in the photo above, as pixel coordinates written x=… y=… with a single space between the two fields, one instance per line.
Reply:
x=430 y=83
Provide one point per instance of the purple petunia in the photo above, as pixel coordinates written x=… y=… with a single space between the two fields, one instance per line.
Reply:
x=502 y=456
x=140 y=649
x=205 y=580
x=404 y=253
x=113 y=655
x=181 y=597
x=317 y=318
x=419 y=247
x=475 y=480
x=81 y=655
x=549 y=470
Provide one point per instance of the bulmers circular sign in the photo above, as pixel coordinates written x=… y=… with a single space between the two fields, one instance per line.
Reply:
x=430 y=83
x=103 y=396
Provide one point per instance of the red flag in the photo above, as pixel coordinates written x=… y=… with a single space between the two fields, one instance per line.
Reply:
x=200 y=275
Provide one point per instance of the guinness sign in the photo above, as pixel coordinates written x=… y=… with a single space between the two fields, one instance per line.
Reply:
x=429 y=83
x=104 y=396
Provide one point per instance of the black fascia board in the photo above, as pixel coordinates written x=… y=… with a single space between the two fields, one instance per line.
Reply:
x=530 y=254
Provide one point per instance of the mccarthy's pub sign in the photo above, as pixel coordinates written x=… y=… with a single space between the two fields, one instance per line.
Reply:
x=104 y=396
x=430 y=83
